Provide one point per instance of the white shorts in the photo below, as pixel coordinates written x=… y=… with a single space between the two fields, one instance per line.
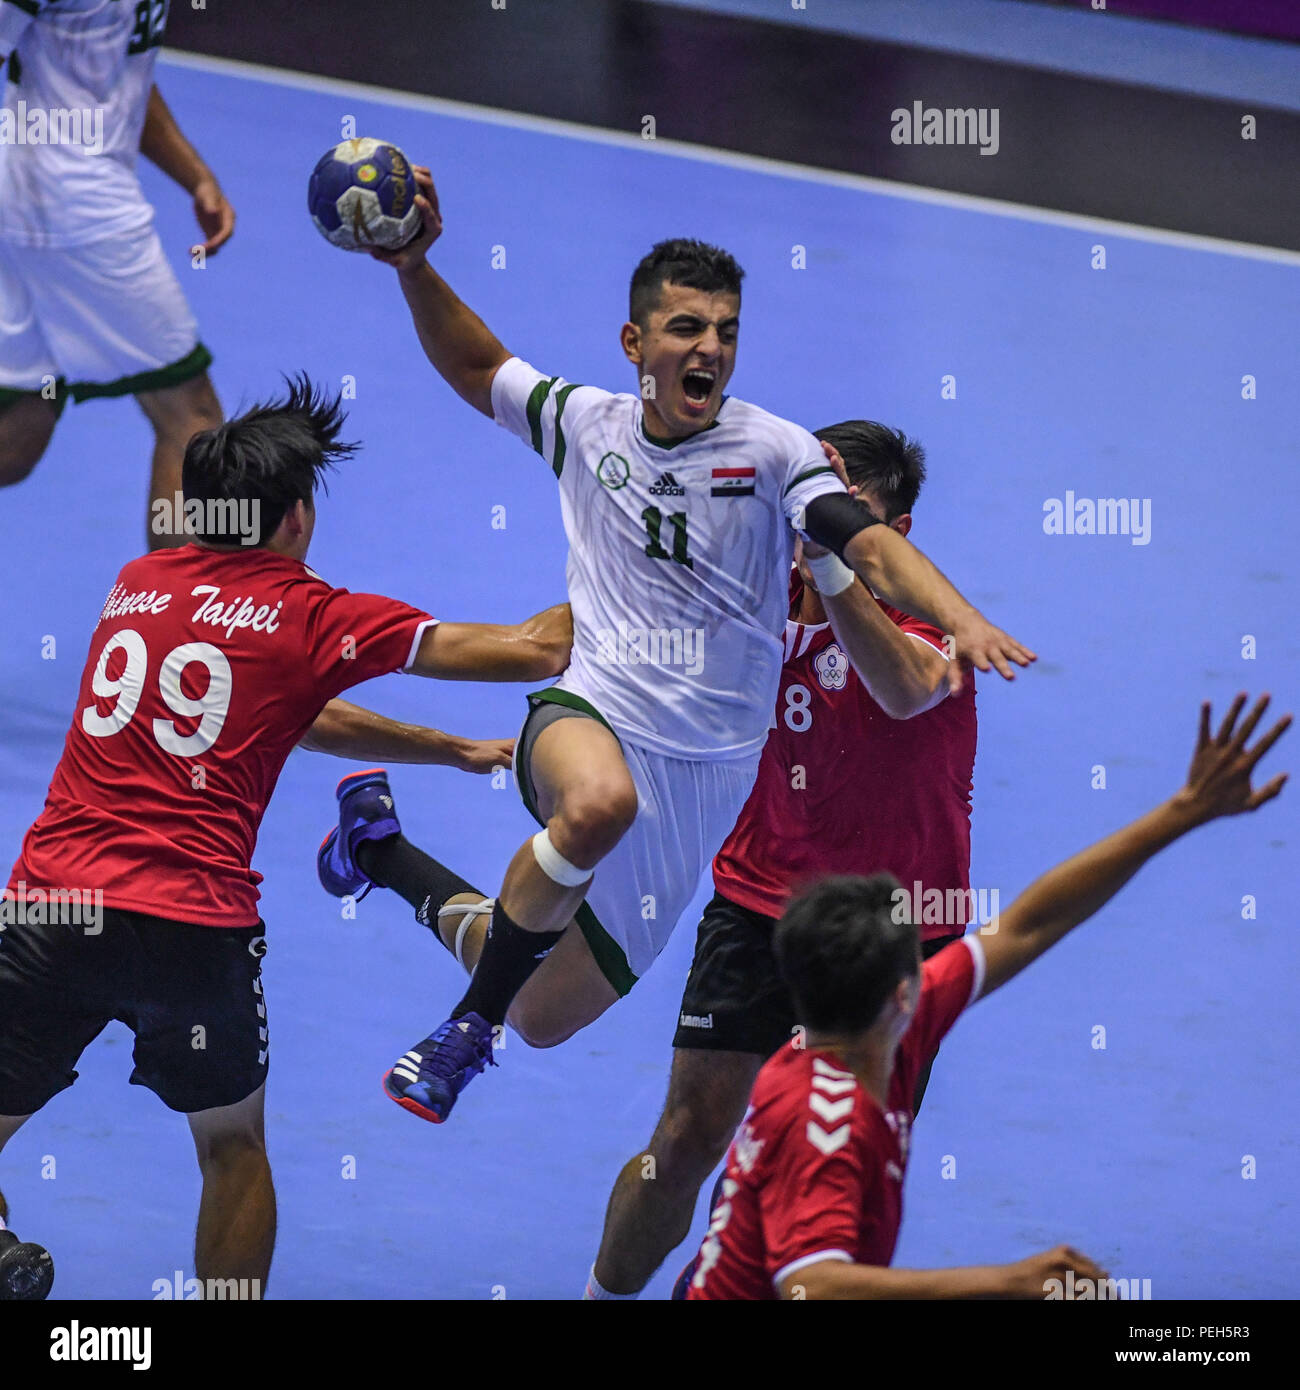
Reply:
x=108 y=318
x=686 y=808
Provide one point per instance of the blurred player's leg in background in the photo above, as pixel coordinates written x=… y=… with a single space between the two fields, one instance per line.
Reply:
x=653 y=1201
x=177 y=414
x=236 y=1229
x=28 y=372
x=26 y=424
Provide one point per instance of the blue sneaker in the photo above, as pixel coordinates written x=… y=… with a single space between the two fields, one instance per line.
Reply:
x=427 y=1079
x=366 y=812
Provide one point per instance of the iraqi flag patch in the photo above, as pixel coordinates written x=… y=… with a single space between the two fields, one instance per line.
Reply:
x=732 y=482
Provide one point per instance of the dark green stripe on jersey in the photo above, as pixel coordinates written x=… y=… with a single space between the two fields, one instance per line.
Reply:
x=560 y=446
x=535 y=403
x=809 y=473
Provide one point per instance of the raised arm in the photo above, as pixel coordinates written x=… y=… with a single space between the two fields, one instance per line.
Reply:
x=461 y=347
x=896 y=570
x=348 y=731
x=534 y=650
x=905 y=675
x=163 y=143
x=1218 y=784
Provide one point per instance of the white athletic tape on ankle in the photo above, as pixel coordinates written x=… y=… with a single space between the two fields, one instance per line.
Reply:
x=830 y=574
x=554 y=865
x=468 y=911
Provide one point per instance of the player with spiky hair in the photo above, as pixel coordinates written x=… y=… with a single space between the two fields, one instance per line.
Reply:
x=681 y=505
x=89 y=306
x=134 y=896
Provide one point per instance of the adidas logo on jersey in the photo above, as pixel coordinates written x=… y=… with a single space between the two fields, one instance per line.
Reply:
x=667 y=486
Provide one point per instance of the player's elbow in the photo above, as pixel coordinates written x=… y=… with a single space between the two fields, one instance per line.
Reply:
x=910 y=700
x=546 y=657
x=827 y=1279
x=323 y=734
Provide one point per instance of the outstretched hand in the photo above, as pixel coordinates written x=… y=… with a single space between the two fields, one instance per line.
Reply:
x=409 y=256
x=484 y=755
x=974 y=641
x=1218 y=781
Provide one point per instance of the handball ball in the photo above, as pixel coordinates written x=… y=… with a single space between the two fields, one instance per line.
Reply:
x=362 y=195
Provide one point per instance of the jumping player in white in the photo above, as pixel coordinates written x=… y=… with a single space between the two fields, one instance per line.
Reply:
x=681 y=506
x=89 y=306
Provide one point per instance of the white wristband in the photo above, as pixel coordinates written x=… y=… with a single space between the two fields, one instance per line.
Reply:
x=830 y=574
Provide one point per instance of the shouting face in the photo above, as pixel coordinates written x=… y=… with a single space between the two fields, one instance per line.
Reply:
x=684 y=356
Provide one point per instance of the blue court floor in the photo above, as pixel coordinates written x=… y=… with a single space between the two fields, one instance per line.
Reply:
x=1122 y=382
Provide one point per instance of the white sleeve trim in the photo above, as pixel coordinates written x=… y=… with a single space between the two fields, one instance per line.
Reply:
x=939 y=651
x=975 y=946
x=806 y=1260
x=415 y=644
x=942 y=690
x=500 y=381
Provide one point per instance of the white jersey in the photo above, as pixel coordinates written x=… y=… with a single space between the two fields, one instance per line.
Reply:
x=79 y=75
x=679 y=557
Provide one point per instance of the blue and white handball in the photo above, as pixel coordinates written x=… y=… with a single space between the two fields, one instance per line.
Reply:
x=362 y=196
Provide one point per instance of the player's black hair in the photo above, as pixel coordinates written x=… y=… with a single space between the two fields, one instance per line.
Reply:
x=884 y=460
x=682 y=261
x=842 y=946
x=274 y=454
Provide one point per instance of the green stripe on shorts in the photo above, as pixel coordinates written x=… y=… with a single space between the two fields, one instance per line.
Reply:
x=158 y=379
x=10 y=396
x=608 y=953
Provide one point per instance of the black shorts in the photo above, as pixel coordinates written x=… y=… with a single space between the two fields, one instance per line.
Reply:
x=191 y=995
x=735 y=1001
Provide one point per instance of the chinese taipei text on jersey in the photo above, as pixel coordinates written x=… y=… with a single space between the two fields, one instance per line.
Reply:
x=205 y=669
x=679 y=557
x=816 y=1169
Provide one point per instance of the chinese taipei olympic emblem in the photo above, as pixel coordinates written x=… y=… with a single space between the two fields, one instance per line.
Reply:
x=832 y=667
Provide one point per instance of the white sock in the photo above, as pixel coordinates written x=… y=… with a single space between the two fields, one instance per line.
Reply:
x=595 y=1290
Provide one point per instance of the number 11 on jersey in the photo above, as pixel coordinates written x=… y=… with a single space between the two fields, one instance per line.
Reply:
x=653 y=519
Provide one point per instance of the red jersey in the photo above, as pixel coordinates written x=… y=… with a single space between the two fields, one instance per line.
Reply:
x=816 y=1169
x=844 y=789
x=205 y=669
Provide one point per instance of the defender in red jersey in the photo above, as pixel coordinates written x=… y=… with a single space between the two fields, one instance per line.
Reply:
x=811 y=1201
x=867 y=767
x=134 y=897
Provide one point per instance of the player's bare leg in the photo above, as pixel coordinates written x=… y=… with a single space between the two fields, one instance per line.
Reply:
x=584 y=793
x=177 y=414
x=587 y=798
x=235 y=1237
x=653 y=1201
x=25 y=429
x=562 y=996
